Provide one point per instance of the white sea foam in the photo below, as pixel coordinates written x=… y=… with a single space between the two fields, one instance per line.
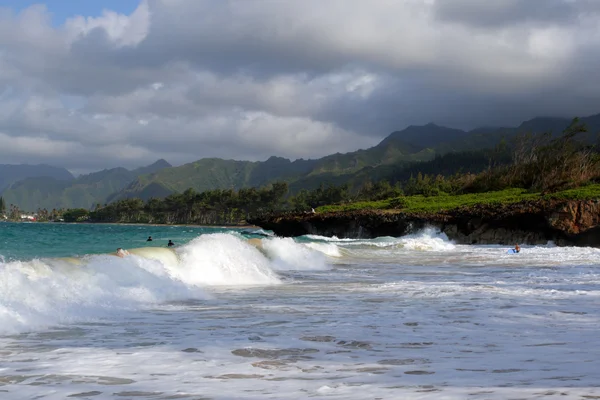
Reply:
x=223 y=259
x=40 y=293
x=329 y=239
x=427 y=240
x=289 y=255
x=260 y=232
x=329 y=249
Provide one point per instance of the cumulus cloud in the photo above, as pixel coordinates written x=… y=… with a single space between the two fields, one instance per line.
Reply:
x=247 y=79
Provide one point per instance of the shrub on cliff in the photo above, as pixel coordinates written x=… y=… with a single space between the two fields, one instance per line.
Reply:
x=582 y=193
x=398 y=203
x=359 y=205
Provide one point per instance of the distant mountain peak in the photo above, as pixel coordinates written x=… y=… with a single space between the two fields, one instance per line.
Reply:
x=545 y=124
x=152 y=168
x=10 y=174
x=422 y=136
x=161 y=163
x=276 y=159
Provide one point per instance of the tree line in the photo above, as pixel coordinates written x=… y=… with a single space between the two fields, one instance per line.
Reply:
x=212 y=207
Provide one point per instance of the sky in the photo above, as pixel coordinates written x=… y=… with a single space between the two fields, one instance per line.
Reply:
x=92 y=84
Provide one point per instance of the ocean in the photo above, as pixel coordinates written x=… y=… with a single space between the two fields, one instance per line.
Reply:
x=239 y=314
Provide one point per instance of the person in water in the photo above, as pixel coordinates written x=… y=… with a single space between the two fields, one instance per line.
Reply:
x=517 y=248
x=170 y=243
x=149 y=239
x=122 y=253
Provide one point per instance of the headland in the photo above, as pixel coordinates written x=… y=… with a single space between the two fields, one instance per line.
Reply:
x=564 y=222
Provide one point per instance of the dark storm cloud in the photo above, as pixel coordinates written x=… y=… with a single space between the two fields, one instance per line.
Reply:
x=246 y=79
x=399 y=104
x=510 y=12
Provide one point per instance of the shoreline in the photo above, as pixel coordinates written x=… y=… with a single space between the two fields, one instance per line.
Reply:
x=533 y=222
x=247 y=226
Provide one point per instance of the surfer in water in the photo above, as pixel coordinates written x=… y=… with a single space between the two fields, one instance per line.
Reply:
x=122 y=253
x=149 y=239
x=170 y=243
x=517 y=248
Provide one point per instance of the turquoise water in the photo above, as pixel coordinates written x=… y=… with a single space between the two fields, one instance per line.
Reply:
x=23 y=241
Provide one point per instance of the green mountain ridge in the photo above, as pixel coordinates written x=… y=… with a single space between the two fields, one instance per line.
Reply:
x=395 y=156
x=424 y=135
x=85 y=191
x=10 y=174
x=215 y=173
x=392 y=155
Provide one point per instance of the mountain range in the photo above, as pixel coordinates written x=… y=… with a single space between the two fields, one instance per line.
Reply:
x=10 y=174
x=85 y=191
x=33 y=187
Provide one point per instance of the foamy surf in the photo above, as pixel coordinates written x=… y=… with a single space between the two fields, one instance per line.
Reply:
x=329 y=249
x=45 y=292
x=37 y=293
x=289 y=255
x=223 y=259
x=392 y=320
x=427 y=240
x=328 y=238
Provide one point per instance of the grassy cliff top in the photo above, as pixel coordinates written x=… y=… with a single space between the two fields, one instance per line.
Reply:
x=448 y=202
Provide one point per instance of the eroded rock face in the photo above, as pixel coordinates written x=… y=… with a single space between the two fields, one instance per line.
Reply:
x=530 y=222
x=575 y=216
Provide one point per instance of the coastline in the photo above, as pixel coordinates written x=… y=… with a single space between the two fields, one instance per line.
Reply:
x=566 y=223
x=190 y=225
x=246 y=226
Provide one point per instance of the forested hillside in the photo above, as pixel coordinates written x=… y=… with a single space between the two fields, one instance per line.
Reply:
x=528 y=167
x=393 y=156
x=86 y=191
x=428 y=149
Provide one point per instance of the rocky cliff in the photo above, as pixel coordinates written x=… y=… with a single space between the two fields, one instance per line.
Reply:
x=566 y=223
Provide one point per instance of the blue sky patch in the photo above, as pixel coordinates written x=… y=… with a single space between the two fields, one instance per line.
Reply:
x=63 y=9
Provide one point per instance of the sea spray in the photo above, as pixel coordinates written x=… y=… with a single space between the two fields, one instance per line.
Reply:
x=383 y=241
x=289 y=255
x=327 y=238
x=329 y=249
x=428 y=239
x=40 y=293
x=223 y=259
x=388 y=249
